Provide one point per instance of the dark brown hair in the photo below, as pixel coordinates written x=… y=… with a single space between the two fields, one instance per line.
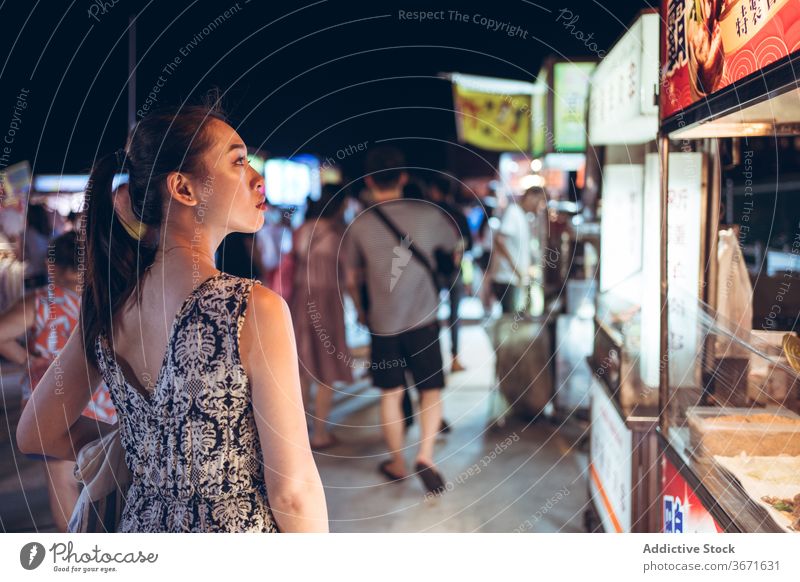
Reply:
x=170 y=140
x=63 y=251
x=385 y=164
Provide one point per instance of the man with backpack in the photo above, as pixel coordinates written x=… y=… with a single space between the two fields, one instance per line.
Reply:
x=393 y=246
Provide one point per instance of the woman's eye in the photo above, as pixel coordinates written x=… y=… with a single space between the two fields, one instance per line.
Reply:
x=240 y=161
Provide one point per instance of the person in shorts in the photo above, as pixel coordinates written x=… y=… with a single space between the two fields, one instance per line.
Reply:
x=403 y=301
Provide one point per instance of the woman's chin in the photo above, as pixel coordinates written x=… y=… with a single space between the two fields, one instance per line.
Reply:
x=259 y=222
x=250 y=226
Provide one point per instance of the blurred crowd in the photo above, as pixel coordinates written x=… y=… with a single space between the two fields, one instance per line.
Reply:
x=396 y=257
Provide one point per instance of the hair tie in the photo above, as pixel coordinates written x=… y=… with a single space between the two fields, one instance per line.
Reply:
x=135 y=229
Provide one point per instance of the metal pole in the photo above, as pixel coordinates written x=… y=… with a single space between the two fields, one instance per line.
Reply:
x=663 y=377
x=711 y=224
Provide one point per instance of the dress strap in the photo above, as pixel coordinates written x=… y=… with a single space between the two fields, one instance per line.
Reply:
x=244 y=293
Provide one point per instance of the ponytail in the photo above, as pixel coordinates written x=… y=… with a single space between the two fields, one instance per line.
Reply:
x=170 y=140
x=114 y=260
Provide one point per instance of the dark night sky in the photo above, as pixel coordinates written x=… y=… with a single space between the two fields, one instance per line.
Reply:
x=297 y=76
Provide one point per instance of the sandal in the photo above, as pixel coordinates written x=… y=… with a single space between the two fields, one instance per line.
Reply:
x=431 y=478
x=384 y=469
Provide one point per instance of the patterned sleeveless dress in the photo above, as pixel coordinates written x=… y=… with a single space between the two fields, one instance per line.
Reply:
x=192 y=445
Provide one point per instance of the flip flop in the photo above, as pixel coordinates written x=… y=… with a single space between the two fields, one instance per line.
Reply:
x=383 y=468
x=431 y=478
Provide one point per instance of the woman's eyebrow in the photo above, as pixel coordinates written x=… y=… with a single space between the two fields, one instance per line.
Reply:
x=236 y=146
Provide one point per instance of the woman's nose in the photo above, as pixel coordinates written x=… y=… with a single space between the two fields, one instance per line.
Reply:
x=259 y=181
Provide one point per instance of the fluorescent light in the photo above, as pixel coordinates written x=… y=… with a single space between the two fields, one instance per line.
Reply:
x=531 y=180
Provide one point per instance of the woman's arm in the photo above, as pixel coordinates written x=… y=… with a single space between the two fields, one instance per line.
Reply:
x=269 y=356
x=51 y=423
x=13 y=351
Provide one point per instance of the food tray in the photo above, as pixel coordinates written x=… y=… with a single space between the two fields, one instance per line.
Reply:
x=728 y=431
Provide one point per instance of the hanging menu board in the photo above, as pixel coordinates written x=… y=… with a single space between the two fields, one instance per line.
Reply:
x=621 y=106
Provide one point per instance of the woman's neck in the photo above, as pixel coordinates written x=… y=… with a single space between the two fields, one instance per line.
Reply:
x=195 y=246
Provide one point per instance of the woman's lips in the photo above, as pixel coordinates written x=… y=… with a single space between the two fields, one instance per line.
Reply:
x=262 y=205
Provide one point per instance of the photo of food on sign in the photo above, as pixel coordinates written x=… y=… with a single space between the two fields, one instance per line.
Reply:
x=706 y=58
x=717 y=42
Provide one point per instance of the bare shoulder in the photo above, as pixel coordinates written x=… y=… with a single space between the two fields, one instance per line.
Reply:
x=265 y=302
x=267 y=314
x=267 y=335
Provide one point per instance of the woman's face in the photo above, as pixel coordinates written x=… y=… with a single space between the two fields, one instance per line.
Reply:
x=231 y=193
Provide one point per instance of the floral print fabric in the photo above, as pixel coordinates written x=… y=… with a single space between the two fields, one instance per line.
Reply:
x=192 y=445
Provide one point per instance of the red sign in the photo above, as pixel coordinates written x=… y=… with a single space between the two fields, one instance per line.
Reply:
x=681 y=509
x=708 y=44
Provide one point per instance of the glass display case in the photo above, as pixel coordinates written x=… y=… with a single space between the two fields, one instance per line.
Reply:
x=738 y=431
x=729 y=426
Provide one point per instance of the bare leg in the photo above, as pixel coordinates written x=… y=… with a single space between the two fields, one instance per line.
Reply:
x=431 y=421
x=63 y=491
x=393 y=422
x=322 y=410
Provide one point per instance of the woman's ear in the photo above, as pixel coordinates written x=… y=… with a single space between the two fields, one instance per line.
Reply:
x=179 y=187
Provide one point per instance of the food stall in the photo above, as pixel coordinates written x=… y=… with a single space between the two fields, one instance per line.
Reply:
x=729 y=432
x=622 y=131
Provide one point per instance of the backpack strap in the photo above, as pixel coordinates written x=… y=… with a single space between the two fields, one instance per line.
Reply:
x=414 y=251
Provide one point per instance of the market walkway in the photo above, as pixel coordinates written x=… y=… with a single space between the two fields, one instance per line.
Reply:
x=522 y=477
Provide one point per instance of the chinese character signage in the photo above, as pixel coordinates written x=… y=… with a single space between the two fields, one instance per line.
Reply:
x=683 y=266
x=621 y=105
x=493 y=121
x=707 y=45
x=681 y=509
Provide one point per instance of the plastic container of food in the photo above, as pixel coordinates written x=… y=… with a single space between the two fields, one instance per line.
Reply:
x=754 y=431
